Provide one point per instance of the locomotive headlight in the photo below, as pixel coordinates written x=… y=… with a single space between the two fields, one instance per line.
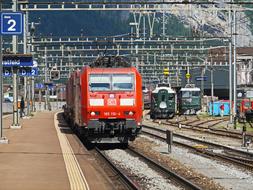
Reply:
x=95 y=113
x=131 y=113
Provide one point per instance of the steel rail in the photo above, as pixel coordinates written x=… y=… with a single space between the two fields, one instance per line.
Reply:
x=186 y=183
x=127 y=181
x=207 y=129
x=248 y=154
x=242 y=162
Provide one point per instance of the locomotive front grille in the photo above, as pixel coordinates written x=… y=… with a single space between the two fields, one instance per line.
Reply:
x=115 y=124
x=108 y=128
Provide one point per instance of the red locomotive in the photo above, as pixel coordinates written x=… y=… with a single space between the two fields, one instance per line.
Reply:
x=245 y=103
x=105 y=103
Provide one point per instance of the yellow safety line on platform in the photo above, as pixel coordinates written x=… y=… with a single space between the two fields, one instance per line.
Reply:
x=76 y=178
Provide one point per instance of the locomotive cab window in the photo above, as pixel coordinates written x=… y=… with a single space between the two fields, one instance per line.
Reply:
x=249 y=94
x=185 y=94
x=122 y=82
x=195 y=93
x=99 y=82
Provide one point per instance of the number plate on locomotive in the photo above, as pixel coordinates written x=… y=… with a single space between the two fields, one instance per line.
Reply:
x=112 y=113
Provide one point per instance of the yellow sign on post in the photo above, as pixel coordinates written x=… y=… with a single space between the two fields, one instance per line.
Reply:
x=188 y=75
x=166 y=72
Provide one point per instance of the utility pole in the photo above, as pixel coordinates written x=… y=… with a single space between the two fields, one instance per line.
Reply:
x=230 y=68
x=15 y=123
x=202 y=86
x=177 y=74
x=188 y=71
x=3 y=140
x=25 y=51
x=137 y=58
x=46 y=81
x=235 y=77
x=26 y=79
x=131 y=40
x=32 y=32
x=144 y=28
x=212 y=86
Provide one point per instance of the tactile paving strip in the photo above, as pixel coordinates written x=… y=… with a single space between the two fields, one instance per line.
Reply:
x=76 y=178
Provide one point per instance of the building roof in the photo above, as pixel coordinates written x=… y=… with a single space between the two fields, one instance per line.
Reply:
x=170 y=90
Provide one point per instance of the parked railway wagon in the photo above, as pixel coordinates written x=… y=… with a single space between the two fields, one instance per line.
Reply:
x=70 y=102
x=245 y=104
x=189 y=99
x=105 y=104
x=163 y=102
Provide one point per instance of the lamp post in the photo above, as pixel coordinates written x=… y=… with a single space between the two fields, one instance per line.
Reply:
x=3 y=140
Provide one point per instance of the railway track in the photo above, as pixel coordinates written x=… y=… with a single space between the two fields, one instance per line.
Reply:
x=133 y=183
x=124 y=178
x=130 y=181
x=227 y=154
x=179 y=179
x=208 y=129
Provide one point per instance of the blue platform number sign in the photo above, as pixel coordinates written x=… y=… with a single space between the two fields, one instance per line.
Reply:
x=11 y=23
x=7 y=72
x=23 y=72
x=34 y=71
x=28 y=71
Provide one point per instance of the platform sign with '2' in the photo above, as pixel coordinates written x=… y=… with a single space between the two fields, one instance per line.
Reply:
x=28 y=72
x=12 y=23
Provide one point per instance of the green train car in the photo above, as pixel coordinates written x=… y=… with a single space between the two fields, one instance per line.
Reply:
x=163 y=102
x=189 y=100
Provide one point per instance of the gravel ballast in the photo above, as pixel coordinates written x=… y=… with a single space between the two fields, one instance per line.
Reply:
x=226 y=175
x=149 y=178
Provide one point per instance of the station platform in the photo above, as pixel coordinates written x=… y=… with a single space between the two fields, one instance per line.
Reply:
x=44 y=154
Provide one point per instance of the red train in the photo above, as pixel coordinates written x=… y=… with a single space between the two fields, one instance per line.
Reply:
x=105 y=103
x=245 y=103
